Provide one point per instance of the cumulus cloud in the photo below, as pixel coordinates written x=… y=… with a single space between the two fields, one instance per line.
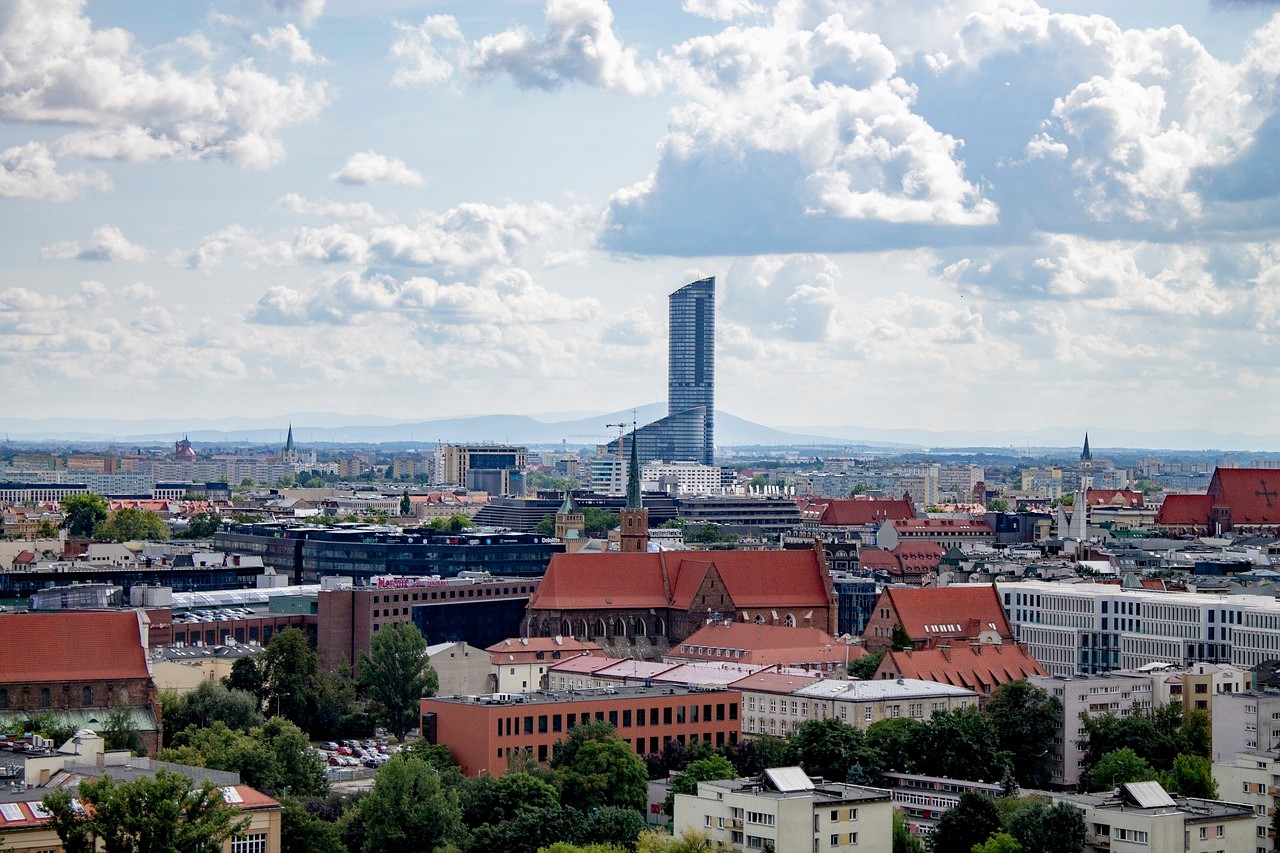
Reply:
x=58 y=68
x=367 y=167
x=579 y=45
x=360 y=211
x=795 y=138
x=306 y=10
x=428 y=53
x=464 y=238
x=107 y=243
x=30 y=171
x=722 y=10
x=792 y=297
x=498 y=297
x=290 y=43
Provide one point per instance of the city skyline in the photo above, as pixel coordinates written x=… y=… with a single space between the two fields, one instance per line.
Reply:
x=963 y=215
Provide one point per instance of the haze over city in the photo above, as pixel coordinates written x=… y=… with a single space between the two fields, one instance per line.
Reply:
x=993 y=214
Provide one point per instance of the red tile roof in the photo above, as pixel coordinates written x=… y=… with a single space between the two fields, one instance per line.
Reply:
x=72 y=646
x=526 y=650
x=872 y=559
x=948 y=612
x=775 y=682
x=979 y=666
x=1185 y=510
x=1253 y=494
x=918 y=558
x=764 y=645
x=1114 y=497
x=853 y=513
x=672 y=578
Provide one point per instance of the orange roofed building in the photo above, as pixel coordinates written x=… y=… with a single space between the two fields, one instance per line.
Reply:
x=79 y=665
x=1238 y=499
x=932 y=615
x=643 y=603
x=980 y=667
x=765 y=645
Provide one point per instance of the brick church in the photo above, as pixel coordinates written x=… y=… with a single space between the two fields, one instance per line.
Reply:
x=1238 y=500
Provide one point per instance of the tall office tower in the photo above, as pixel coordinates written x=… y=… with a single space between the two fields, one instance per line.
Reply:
x=691 y=371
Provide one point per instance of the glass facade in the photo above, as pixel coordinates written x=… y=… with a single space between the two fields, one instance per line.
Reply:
x=691 y=372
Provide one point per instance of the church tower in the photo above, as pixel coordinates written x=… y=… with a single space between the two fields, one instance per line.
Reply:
x=634 y=537
x=571 y=524
x=1086 y=455
x=290 y=455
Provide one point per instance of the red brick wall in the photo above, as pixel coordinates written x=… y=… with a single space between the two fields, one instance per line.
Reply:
x=477 y=735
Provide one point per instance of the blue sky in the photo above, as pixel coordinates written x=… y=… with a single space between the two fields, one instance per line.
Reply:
x=921 y=213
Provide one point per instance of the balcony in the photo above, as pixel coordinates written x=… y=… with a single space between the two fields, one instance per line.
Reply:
x=1097 y=842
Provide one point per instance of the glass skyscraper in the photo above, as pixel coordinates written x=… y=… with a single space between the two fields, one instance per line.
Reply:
x=692 y=367
x=687 y=433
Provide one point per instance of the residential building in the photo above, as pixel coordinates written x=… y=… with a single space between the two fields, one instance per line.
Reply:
x=976 y=666
x=787 y=811
x=961 y=533
x=925 y=799
x=766 y=645
x=463 y=669
x=1245 y=722
x=768 y=704
x=956 y=613
x=858 y=703
x=483 y=733
x=1252 y=778
x=25 y=825
x=1115 y=693
x=519 y=665
x=680 y=479
x=1142 y=816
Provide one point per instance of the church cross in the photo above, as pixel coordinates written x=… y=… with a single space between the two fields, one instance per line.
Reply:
x=1263 y=493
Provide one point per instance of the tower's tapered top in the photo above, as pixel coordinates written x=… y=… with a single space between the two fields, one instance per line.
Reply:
x=633 y=477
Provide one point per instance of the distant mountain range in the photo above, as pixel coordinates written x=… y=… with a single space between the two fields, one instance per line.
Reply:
x=731 y=431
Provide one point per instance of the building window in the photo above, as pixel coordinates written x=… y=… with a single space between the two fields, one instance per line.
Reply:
x=86 y=696
x=45 y=699
x=256 y=843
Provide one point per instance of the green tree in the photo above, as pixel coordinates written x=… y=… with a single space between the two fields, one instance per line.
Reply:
x=210 y=703
x=406 y=505
x=1115 y=768
x=704 y=534
x=827 y=748
x=407 y=809
x=752 y=756
x=547 y=526
x=1001 y=842
x=1191 y=776
x=273 y=757
x=689 y=841
x=82 y=513
x=202 y=525
x=530 y=831
x=1044 y=828
x=247 y=676
x=130 y=524
x=997 y=505
x=597 y=768
x=865 y=666
x=289 y=675
x=598 y=520
x=453 y=524
x=903 y=840
x=897 y=742
x=1025 y=719
x=963 y=744
x=900 y=639
x=395 y=675
x=686 y=781
x=566 y=847
x=303 y=832
x=1157 y=735
x=120 y=731
x=615 y=827
x=495 y=800
x=46 y=530
x=165 y=814
x=970 y=822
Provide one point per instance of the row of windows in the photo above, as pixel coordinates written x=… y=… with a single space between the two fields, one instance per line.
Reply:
x=86 y=696
x=626 y=718
x=467 y=592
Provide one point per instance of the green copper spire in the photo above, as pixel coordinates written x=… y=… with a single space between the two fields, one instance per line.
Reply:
x=288 y=442
x=633 y=477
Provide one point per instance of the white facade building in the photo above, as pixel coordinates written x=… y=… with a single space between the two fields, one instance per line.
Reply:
x=1087 y=628
x=681 y=478
x=787 y=811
